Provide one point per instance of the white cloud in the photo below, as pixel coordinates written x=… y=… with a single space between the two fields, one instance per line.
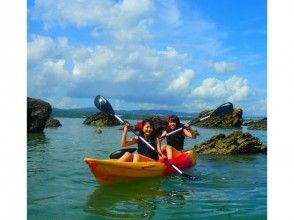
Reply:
x=182 y=82
x=127 y=62
x=170 y=13
x=233 y=89
x=126 y=20
x=222 y=66
x=56 y=71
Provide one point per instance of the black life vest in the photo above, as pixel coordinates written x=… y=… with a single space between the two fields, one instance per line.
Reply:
x=143 y=149
x=176 y=140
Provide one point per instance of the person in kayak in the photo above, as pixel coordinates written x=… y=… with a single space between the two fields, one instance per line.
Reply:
x=175 y=142
x=144 y=153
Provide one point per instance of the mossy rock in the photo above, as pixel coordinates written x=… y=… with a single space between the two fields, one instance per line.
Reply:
x=101 y=119
x=235 y=143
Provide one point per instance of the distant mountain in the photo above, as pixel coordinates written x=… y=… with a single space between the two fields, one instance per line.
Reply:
x=130 y=114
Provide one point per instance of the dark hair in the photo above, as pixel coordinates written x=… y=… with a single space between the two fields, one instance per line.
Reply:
x=175 y=119
x=151 y=124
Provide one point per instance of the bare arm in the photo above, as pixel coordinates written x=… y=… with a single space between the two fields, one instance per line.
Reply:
x=158 y=145
x=124 y=142
x=162 y=135
x=189 y=132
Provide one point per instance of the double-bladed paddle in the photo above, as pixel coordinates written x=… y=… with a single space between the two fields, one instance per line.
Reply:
x=220 y=111
x=104 y=106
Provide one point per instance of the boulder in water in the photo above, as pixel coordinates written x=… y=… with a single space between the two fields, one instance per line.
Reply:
x=235 y=143
x=228 y=121
x=257 y=125
x=38 y=112
x=101 y=119
x=52 y=123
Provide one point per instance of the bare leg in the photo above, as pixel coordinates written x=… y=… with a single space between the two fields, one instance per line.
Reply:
x=170 y=151
x=127 y=157
x=140 y=158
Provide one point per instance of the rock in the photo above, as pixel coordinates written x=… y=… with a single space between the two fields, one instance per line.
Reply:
x=228 y=121
x=98 y=131
x=52 y=123
x=257 y=125
x=235 y=143
x=159 y=124
x=101 y=119
x=38 y=112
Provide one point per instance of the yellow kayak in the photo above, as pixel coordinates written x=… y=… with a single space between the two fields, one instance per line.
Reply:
x=111 y=171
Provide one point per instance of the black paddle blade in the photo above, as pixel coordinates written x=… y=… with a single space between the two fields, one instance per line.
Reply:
x=224 y=109
x=118 y=153
x=103 y=105
x=189 y=177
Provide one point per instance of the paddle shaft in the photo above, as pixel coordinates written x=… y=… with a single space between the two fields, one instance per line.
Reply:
x=103 y=105
x=150 y=146
x=221 y=110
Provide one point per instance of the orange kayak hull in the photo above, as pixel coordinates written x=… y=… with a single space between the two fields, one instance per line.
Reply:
x=112 y=171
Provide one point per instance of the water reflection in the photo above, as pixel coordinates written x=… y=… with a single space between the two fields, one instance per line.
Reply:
x=37 y=139
x=134 y=200
x=37 y=153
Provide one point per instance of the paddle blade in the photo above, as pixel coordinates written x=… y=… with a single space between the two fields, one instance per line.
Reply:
x=188 y=176
x=224 y=109
x=118 y=153
x=103 y=105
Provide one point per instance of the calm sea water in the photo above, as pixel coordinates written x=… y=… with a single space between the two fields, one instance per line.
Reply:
x=61 y=186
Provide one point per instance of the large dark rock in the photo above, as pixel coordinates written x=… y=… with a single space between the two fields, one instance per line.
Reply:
x=257 y=125
x=101 y=119
x=52 y=123
x=159 y=124
x=38 y=112
x=233 y=120
x=235 y=143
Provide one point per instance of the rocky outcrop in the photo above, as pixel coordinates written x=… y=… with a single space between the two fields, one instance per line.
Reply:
x=101 y=119
x=235 y=143
x=38 y=112
x=52 y=123
x=233 y=120
x=257 y=125
x=159 y=124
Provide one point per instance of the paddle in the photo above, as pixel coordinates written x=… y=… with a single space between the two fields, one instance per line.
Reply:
x=220 y=111
x=103 y=105
x=118 y=153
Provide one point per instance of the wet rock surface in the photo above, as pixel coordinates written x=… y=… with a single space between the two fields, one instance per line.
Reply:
x=257 y=125
x=235 y=143
x=53 y=123
x=233 y=120
x=101 y=119
x=38 y=112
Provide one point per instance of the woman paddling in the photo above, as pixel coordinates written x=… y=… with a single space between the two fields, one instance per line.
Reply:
x=175 y=142
x=144 y=153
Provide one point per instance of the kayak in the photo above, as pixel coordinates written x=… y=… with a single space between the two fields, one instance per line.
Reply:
x=111 y=170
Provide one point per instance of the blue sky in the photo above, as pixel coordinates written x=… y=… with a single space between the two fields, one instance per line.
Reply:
x=149 y=54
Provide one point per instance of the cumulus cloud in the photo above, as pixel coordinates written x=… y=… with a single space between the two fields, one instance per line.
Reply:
x=109 y=65
x=182 y=81
x=222 y=66
x=126 y=20
x=134 y=54
x=233 y=89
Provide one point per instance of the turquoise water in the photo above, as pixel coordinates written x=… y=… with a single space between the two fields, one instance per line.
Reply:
x=61 y=186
